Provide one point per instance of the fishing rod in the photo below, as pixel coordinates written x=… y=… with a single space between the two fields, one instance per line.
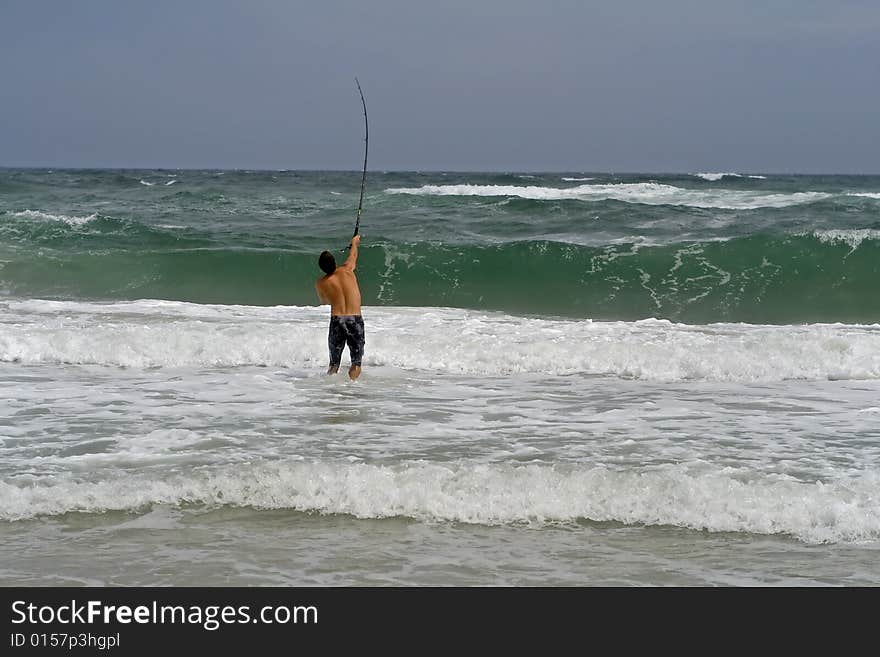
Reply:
x=357 y=223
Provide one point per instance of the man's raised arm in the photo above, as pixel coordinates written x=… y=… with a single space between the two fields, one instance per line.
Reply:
x=351 y=260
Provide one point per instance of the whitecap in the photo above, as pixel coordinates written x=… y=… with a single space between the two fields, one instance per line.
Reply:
x=714 y=500
x=852 y=237
x=712 y=177
x=648 y=193
x=45 y=216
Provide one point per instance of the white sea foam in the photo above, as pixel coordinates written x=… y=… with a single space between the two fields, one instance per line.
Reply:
x=148 y=184
x=576 y=179
x=169 y=334
x=643 y=193
x=170 y=182
x=875 y=195
x=852 y=237
x=716 y=500
x=45 y=216
x=712 y=177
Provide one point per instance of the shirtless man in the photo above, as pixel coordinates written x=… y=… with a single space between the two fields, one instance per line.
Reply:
x=339 y=288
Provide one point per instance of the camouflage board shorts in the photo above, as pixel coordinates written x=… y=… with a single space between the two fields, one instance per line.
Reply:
x=346 y=329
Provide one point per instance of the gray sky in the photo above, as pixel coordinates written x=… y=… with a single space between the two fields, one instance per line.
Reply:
x=552 y=85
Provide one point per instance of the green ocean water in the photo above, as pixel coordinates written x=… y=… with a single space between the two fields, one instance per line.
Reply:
x=694 y=248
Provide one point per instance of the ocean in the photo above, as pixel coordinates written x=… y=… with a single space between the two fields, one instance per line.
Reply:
x=570 y=379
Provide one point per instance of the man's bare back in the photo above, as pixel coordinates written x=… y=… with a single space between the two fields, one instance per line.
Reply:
x=339 y=288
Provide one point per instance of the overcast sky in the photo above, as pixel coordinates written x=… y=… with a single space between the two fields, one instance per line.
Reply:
x=546 y=85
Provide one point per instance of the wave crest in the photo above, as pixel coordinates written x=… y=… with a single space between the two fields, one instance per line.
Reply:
x=144 y=334
x=46 y=216
x=647 y=193
x=490 y=494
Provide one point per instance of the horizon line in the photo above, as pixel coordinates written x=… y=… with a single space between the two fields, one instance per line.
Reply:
x=385 y=171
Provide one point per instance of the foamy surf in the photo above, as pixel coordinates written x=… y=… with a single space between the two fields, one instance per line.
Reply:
x=843 y=510
x=175 y=334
